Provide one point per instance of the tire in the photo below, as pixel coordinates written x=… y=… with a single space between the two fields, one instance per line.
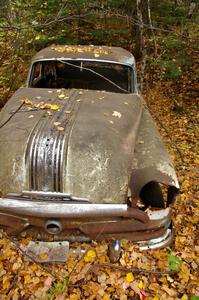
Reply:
x=151 y=195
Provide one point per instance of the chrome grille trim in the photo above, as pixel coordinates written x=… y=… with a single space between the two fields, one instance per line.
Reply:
x=45 y=150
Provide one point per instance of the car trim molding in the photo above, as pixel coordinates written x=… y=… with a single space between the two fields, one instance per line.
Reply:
x=45 y=150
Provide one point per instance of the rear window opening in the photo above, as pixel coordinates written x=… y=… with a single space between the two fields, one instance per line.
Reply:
x=90 y=75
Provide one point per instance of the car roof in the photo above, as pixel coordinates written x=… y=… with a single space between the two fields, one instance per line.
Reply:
x=97 y=53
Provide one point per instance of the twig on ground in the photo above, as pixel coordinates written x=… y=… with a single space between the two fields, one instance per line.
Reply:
x=124 y=269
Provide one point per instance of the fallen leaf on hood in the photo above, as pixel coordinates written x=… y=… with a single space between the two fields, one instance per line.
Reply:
x=54 y=107
x=61 y=96
x=26 y=101
x=31 y=116
x=57 y=123
x=116 y=114
x=60 y=128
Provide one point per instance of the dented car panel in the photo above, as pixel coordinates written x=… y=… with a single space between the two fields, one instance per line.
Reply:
x=74 y=160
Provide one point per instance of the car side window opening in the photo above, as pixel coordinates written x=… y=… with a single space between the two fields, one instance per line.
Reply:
x=90 y=75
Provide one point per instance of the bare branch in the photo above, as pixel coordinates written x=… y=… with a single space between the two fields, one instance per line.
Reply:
x=57 y=19
x=120 y=268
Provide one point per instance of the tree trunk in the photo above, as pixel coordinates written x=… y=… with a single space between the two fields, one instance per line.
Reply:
x=148 y=22
x=139 y=37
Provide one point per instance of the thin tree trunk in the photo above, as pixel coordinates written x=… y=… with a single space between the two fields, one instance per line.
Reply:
x=139 y=37
x=151 y=27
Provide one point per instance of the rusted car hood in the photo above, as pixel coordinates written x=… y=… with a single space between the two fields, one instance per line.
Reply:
x=84 y=148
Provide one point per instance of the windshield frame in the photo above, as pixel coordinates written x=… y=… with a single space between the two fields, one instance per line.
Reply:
x=133 y=86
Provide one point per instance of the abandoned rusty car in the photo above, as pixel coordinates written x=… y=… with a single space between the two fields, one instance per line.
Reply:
x=81 y=158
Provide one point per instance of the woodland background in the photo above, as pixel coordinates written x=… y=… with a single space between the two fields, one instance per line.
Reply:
x=163 y=36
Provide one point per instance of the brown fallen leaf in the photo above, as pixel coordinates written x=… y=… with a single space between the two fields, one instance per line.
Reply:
x=57 y=123
x=60 y=128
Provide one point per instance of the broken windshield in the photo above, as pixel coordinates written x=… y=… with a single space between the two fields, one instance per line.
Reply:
x=90 y=75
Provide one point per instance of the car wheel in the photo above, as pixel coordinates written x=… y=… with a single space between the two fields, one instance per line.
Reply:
x=151 y=195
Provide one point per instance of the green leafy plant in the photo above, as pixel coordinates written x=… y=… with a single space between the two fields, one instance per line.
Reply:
x=174 y=262
x=58 y=287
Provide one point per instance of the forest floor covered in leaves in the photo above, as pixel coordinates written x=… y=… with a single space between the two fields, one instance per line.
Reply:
x=20 y=279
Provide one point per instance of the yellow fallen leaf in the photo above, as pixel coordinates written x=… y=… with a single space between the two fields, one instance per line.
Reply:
x=90 y=256
x=43 y=256
x=140 y=284
x=156 y=297
x=27 y=279
x=154 y=286
x=185 y=269
x=38 y=37
x=6 y=283
x=170 y=279
x=74 y=297
x=131 y=293
x=54 y=107
x=34 y=267
x=129 y=277
x=106 y=297
x=16 y=266
x=25 y=241
x=184 y=297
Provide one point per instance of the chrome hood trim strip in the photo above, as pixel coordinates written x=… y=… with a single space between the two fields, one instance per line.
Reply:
x=44 y=153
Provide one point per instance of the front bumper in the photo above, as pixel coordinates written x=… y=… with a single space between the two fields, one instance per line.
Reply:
x=77 y=219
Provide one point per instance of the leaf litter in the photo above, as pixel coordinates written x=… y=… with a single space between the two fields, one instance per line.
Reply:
x=20 y=278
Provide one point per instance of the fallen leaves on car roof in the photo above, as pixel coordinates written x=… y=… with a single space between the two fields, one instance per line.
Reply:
x=79 y=49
